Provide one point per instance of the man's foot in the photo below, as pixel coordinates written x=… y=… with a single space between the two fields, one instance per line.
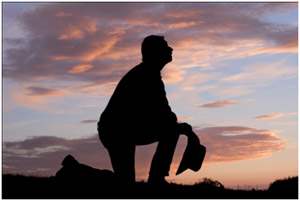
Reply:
x=157 y=180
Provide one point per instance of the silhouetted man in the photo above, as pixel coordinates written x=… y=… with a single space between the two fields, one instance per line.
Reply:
x=138 y=113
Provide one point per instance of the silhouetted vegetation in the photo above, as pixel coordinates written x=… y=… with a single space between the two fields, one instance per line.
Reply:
x=22 y=187
x=285 y=188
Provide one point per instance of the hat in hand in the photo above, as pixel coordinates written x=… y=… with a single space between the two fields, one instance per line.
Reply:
x=193 y=155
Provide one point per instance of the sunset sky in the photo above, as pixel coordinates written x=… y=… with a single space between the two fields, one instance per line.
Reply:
x=234 y=78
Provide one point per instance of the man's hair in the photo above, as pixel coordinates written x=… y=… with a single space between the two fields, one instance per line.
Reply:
x=151 y=45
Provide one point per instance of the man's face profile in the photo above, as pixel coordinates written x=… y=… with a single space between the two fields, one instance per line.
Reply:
x=155 y=49
x=166 y=52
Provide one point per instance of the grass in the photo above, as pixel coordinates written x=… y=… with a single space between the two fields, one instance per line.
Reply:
x=24 y=187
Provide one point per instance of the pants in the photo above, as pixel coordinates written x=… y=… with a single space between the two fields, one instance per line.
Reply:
x=122 y=153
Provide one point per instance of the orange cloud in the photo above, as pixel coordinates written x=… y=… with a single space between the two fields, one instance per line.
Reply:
x=181 y=119
x=182 y=25
x=71 y=32
x=80 y=68
x=172 y=75
x=75 y=35
x=275 y=50
x=98 y=48
x=223 y=103
x=76 y=30
x=274 y=116
x=106 y=89
x=225 y=144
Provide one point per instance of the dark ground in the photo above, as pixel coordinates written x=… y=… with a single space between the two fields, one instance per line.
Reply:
x=22 y=187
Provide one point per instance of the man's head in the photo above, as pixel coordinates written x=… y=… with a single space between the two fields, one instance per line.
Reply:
x=156 y=50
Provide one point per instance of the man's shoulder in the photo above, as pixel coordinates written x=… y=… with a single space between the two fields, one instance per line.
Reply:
x=142 y=73
x=136 y=70
x=132 y=75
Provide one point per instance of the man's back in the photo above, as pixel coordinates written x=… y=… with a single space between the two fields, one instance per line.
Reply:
x=138 y=100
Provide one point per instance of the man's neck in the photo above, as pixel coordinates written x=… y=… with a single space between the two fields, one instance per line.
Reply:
x=155 y=66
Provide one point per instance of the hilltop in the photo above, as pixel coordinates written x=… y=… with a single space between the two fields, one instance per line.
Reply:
x=76 y=180
x=22 y=187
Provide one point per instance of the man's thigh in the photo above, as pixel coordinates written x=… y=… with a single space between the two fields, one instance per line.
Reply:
x=137 y=135
x=148 y=136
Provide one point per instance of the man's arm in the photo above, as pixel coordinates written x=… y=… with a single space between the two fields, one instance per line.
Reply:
x=186 y=129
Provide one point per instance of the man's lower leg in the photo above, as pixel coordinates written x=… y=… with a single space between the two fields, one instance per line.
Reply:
x=162 y=159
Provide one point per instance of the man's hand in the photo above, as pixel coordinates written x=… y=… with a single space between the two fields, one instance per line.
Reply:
x=185 y=128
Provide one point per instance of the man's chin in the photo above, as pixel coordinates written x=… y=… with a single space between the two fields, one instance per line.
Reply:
x=167 y=60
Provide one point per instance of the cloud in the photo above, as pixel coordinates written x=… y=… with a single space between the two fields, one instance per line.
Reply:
x=110 y=41
x=89 y=121
x=77 y=30
x=172 y=75
x=182 y=119
x=225 y=144
x=37 y=142
x=263 y=72
x=42 y=91
x=80 y=68
x=222 y=103
x=192 y=82
x=86 y=48
x=43 y=154
x=248 y=80
x=182 y=25
x=272 y=116
x=38 y=98
x=275 y=116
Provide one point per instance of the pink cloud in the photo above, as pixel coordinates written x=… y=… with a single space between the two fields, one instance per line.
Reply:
x=80 y=68
x=275 y=116
x=42 y=91
x=43 y=154
x=272 y=116
x=222 y=103
x=105 y=33
x=225 y=144
x=182 y=25
x=182 y=119
x=172 y=75
x=262 y=73
x=77 y=30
